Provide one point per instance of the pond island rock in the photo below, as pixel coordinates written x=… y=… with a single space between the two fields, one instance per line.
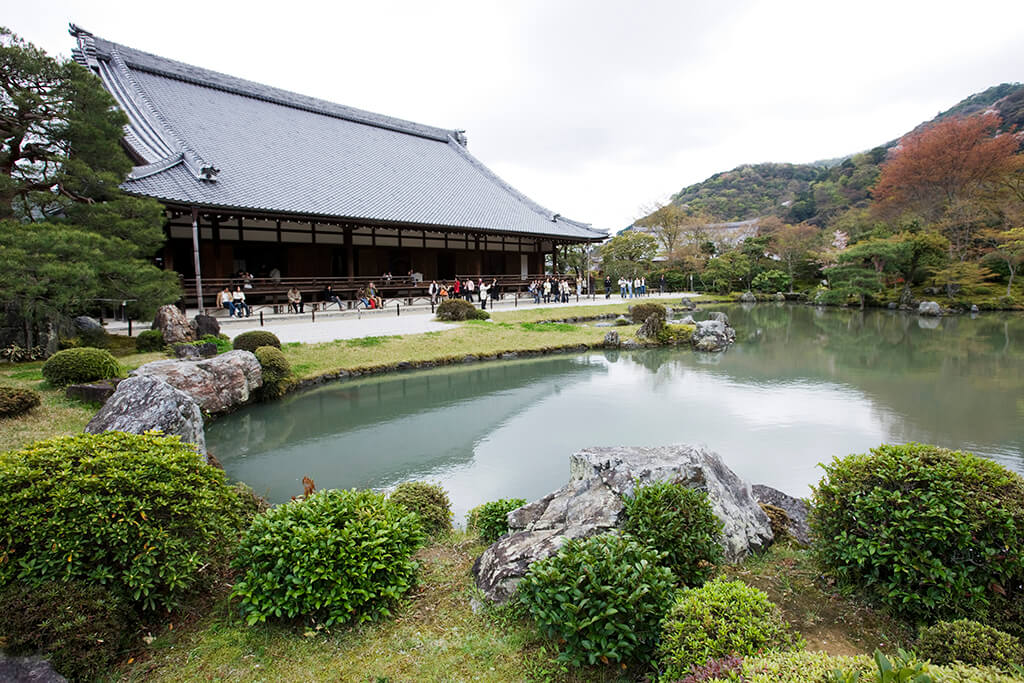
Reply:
x=713 y=335
x=141 y=404
x=591 y=504
x=218 y=384
x=929 y=308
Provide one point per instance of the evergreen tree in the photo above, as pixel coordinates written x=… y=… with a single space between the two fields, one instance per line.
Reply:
x=68 y=234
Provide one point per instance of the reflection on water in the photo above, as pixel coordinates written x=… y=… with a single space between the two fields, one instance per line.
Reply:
x=800 y=386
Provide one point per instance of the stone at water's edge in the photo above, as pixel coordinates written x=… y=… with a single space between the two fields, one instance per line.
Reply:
x=141 y=404
x=592 y=504
x=650 y=328
x=218 y=384
x=173 y=324
x=796 y=509
x=611 y=339
x=748 y=298
x=713 y=335
x=687 y=304
x=929 y=308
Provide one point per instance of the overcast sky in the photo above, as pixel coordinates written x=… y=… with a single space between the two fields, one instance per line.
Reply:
x=595 y=109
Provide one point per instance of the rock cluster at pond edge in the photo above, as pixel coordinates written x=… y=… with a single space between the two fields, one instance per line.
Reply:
x=592 y=504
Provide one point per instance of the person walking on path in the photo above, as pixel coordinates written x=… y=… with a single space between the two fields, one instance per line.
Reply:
x=295 y=300
x=434 y=290
x=661 y=284
x=607 y=286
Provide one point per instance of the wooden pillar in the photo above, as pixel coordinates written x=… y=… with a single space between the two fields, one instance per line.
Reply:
x=350 y=263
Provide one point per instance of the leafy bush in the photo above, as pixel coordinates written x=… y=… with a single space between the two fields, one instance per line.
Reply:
x=221 y=341
x=718 y=619
x=79 y=626
x=73 y=366
x=456 y=309
x=601 y=597
x=149 y=340
x=726 y=668
x=429 y=501
x=679 y=522
x=140 y=514
x=904 y=667
x=676 y=334
x=770 y=281
x=490 y=519
x=336 y=556
x=277 y=372
x=799 y=667
x=927 y=531
x=969 y=642
x=254 y=339
x=14 y=402
x=481 y=314
x=19 y=354
x=641 y=312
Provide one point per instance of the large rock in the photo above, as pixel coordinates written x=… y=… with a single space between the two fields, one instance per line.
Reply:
x=94 y=392
x=687 y=304
x=591 y=504
x=173 y=324
x=28 y=670
x=141 y=404
x=796 y=510
x=651 y=327
x=713 y=335
x=929 y=308
x=84 y=323
x=611 y=339
x=195 y=351
x=203 y=325
x=748 y=298
x=218 y=384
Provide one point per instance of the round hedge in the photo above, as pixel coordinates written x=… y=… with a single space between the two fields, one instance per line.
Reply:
x=78 y=626
x=457 y=309
x=490 y=520
x=969 y=642
x=336 y=556
x=140 y=514
x=641 y=312
x=602 y=598
x=277 y=372
x=254 y=339
x=73 y=366
x=14 y=402
x=932 y=533
x=429 y=501
x=719 y=619
x=149 y=340
x=679 y=522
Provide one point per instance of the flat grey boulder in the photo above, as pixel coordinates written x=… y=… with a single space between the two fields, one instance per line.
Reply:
x=218 y=384
x=592 y=503
x=141 y=404
x=94 y=392
x=173 y=324
x=713 y=335
x=28 y=670
x=929 y=308
x=84 y=323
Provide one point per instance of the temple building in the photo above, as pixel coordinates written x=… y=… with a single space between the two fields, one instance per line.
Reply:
x=269 y=180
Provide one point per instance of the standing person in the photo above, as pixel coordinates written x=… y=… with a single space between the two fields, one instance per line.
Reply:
x=275 y=275
x=470 y=286
x=483 y=295
x=329 y=297
x=456 y=290
x=494 y=291
x=433 y=290
x=535 y=291
x=661 y=283
x=607 y=286
x=227 y=302
x=547 y=290
x=643 y=286
x=238 y=297
x=295 y=300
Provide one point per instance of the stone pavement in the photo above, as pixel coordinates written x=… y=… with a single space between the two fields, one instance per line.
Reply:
x=390 y=320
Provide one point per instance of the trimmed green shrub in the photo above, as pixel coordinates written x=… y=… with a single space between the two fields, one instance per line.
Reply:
x=221 y=341
x=456 y=309
x=277 y=372
x=971 y=643
x=149 y=340
x=770 y=281
x=490 y=519
x=254 y=339
x=140 y=514
x=679 y=522
x=336 y=556
x=73 y=366
x=641 y=312
x=800 y=667
x=927 y=531
x=602 y=598
x=481 y=314
x=79 y=626
x=14 y=402
x=676 y=334
x=429 y=501
x=718 y=619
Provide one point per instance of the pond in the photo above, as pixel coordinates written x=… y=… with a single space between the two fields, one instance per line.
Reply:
x=801 y=386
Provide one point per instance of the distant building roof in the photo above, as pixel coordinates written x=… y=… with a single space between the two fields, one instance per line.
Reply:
x=212 y=140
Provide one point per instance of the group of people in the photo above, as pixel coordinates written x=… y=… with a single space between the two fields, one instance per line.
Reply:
x=628 y=289
x=369 y=297
x=552 y=289
x=479 y=290
x=234 y=302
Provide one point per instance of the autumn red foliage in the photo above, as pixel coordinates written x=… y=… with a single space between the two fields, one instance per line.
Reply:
x=953 y=160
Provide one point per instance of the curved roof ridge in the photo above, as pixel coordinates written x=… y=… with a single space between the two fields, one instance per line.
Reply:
x=169 y=68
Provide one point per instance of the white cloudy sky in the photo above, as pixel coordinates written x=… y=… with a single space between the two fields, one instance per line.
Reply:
x=594 y=108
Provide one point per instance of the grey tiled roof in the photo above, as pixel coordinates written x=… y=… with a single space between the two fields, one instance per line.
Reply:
x=213 y=140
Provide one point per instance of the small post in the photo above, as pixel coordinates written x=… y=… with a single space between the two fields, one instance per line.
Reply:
x=398 y=309
x=261 y=318
x=312 y=311
x=129 y=327
x=431 y=306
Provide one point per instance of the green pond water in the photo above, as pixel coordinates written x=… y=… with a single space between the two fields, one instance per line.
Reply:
x=800 y=386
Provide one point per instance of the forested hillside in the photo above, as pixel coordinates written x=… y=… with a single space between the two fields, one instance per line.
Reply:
x=817 y=192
